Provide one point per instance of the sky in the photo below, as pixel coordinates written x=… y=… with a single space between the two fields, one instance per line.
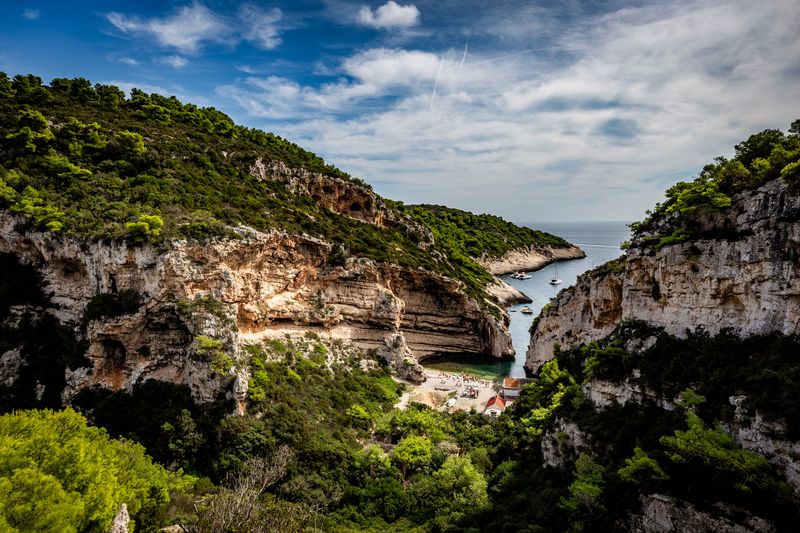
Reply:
x=542 y=110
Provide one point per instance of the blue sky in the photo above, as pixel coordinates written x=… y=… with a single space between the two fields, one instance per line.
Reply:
x=548 y=110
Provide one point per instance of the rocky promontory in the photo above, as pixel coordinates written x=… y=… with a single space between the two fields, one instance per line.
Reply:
x=739 y=273
x=531 y=257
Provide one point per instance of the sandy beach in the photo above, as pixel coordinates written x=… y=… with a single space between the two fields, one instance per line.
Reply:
x=442 y=386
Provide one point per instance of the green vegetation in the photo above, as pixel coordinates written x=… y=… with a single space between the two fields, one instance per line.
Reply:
x=477 y=236
x=86 y=161
x=764 y=156
x=58 y=474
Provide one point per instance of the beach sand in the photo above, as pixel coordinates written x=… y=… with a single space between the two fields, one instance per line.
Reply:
x=442 y=385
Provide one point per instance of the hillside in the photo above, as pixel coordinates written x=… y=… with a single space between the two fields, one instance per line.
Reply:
x=85 y=161
x=677 y=361
x=102 y=195
x=239 y=308
x=497 y=245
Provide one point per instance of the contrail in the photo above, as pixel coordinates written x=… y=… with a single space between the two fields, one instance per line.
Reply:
x=463 y=57
x=461 y=65
x=436 y=83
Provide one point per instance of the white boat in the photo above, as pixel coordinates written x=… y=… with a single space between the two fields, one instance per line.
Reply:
x=520 y=275
x=555 y=280
x=527 y=310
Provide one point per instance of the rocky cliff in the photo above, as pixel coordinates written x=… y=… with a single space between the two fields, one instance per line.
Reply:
x=260 y=285
x=531 y=257
x=683 y=353
x=739 y=272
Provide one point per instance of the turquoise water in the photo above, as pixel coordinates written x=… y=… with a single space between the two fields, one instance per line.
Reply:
x=600 y=241
x=485 y=368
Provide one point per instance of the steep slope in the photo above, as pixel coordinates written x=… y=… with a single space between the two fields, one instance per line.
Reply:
x=159 y=238
x=495 y=244
x=733 y=267
x=668 y=378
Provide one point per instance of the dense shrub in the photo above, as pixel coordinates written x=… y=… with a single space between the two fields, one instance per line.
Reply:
x=58 y=474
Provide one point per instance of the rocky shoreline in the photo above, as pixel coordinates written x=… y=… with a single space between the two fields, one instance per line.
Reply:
x=506 y=294
x=530 y=258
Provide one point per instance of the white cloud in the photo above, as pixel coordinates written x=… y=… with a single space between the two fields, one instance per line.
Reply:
x=30 y=14
x=646 y=97
x=186 y=30
x=127 y=61
x=261 y=28
x=389 y=15
x=175 y=61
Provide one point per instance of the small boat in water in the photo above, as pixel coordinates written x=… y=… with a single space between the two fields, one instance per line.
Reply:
x=555 y=280
x=520 y=275
x=527 y=310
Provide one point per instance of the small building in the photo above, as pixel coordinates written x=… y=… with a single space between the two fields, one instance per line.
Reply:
x=495 y=406
x=511 y=387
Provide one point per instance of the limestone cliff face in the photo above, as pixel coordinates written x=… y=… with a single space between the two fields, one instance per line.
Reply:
x=740 y=271
x=662 y=513
x=338 y=195
x=237 y=292
x=530 y=258
x=588 y=310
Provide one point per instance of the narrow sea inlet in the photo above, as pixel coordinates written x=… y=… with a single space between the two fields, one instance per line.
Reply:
x=600 y=240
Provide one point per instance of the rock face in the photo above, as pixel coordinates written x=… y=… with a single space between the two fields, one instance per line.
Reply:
x=768 y=439
x=605 y=393
x=338 y=195
x=530 y=258
x=563 y=443
x=740 y=272
x=662 y=513
x=588 y=310
x=237 y=292
x=506 y=294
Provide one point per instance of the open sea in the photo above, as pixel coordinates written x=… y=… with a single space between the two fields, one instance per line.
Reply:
x=601 y=242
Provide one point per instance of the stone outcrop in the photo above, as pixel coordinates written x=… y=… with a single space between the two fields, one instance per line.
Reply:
x=344 y=197
x=529 y=258
x=238 y=291
x=740 y=271
x=121 y=521
x=563 y=443
x=662 y=513
x=766 y=438
x=338 y=195
x=506 y=294
x=604 y=393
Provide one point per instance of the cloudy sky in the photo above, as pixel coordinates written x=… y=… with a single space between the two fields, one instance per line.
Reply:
x=536 y=111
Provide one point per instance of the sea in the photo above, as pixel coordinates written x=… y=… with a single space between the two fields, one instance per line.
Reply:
x=600 y=240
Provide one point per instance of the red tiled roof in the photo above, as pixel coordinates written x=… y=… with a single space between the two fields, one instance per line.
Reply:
x=496 y=400
x=511 y=383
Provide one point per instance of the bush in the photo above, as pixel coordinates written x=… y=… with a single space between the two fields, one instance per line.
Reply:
x=58 y=474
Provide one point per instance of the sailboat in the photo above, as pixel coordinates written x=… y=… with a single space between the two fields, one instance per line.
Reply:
x=555 y=280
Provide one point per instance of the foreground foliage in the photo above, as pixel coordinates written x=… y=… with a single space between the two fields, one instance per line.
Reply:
x=58 y=474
